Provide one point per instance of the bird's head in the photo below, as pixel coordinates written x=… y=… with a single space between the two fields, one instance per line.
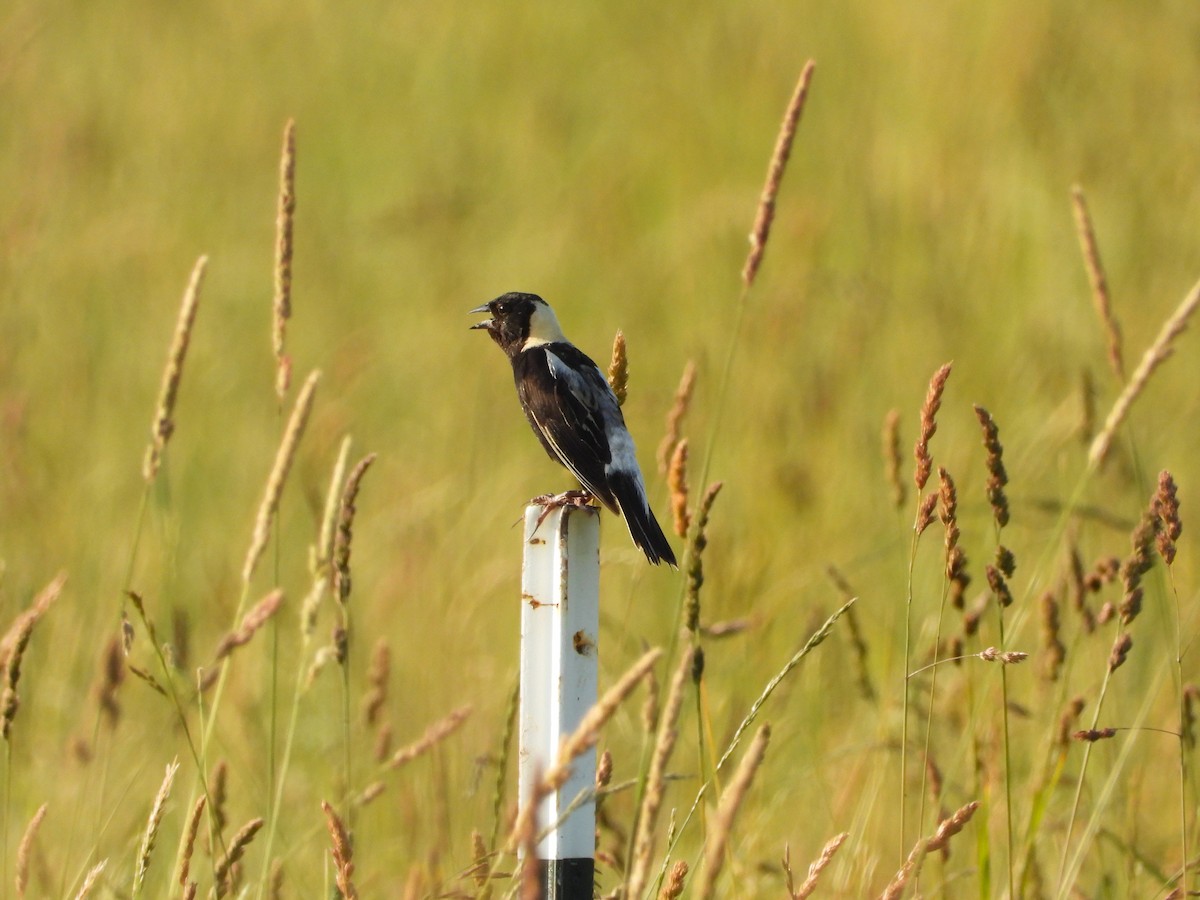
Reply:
x=519 y=321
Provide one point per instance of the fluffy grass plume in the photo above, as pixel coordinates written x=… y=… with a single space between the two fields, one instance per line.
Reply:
x=1156 y=354
x=153 y=823
x=675 y=416
x=164 y=412
x=344 y=535
x=779 y=159
x=237 y=848
x=434 y=735
x=1098 y=281
x=652 y=802
x=819 y=865
x=929 y=411
x=187 y=842
x=284 y=458
x=284 y=225
x=618 y=369
x=25 y=849
x=343 y=853
x=727 y=810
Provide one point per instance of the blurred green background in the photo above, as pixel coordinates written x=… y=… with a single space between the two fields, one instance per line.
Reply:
x=608 y=156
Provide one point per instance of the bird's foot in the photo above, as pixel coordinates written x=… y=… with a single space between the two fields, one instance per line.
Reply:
x=565 y=500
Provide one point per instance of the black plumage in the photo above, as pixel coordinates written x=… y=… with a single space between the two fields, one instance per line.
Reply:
x=574 y=413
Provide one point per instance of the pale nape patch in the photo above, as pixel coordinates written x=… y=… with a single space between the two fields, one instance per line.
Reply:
x=543 y=327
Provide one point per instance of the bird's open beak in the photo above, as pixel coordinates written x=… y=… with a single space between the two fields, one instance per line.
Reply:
x=479 y=310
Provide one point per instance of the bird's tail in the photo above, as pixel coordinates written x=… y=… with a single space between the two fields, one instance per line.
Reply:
x=630 y=495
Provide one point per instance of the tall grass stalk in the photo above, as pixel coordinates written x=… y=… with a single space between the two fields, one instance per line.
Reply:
x=321 y=570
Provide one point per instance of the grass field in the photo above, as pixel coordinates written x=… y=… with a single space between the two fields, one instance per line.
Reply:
x=609 y=157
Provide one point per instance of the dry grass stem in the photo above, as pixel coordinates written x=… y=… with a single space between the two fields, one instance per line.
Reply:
x=891 y=456
x=673 y=887
x=164 y=423
x=254 y=620
x=618 y=369
x=727 y=810
x=587 y=732
x=583 y=738
x=929 y=410
x=1155 y=356
x=675 y=416
x=152 y=826
x=343 y=852
x=652 y=801
x=434 y=735
x=811 y=644
x=819 y=865
x=284 y=220
x=25 y=848
x=90 y=879
x=237 y=847
x=187 y=841
x=779 y=158
x=284 y=458
x=1095 y=271
x=677 y=483
x=344 y=535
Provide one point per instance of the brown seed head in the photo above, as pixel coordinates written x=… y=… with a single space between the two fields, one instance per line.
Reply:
x=345 y=527
x=164 y=423
x=677 y=482
x=284 y=221
x=675 y=416
x=783 y=148
x=1095 y=271
x=1166 y=507
x=343 y=852
x=618 y=369
x=929 y=410
x=1120 y=650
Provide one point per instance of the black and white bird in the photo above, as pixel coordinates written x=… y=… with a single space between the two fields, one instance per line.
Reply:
x=574 y=413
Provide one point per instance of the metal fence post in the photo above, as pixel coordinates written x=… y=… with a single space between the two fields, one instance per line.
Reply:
x=560 y=585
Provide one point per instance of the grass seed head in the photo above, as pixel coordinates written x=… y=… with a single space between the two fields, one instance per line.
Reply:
x=618 y=369
x=929 y=410
x=779 y=158
x=1166 y=508
x=284 y=227
x=676 y=415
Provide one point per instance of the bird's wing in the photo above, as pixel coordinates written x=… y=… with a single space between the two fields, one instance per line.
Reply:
x=569 y=403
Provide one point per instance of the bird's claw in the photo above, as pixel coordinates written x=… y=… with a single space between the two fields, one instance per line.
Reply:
x=565 y=500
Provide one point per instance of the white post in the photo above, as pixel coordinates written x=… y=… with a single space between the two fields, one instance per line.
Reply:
x=560 y=624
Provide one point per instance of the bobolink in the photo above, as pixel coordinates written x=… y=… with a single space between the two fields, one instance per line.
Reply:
x=574 y=413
